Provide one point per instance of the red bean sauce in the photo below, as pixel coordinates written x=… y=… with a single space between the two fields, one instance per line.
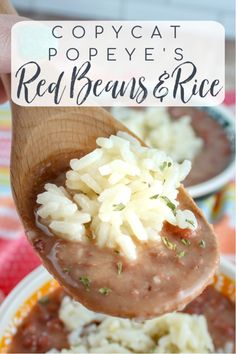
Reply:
x=217 y=150
x=42 y=329
x=220 y=314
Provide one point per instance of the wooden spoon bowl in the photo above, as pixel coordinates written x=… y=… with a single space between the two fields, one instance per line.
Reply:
x=44 y=140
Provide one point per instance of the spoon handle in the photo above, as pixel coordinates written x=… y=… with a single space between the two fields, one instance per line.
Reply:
x=7 y=8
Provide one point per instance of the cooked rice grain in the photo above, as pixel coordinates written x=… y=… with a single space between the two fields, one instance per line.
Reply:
x=123 y=191
x=156 y=128
x=95 y=333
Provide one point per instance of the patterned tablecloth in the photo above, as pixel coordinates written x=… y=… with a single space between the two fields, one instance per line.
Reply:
x=17 y=257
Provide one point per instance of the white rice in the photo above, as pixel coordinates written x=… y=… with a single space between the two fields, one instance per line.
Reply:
x=123 y=191
x=95 y=333
x=156 y=128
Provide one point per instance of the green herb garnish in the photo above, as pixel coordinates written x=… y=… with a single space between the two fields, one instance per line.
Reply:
x=169 y=204
x=104 y=291
x=66 y=269
x=154 y=196
x=202 y=244
x=86 y=282
x=185 y=241
x=181 y=254
x=119 y=267
x=164 y=165
x=44 y=300
x=118 y=207
x=90 y=235
x=170 y=245
x=190 y=222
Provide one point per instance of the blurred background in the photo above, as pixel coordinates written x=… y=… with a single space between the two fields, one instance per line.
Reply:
x=216 y=10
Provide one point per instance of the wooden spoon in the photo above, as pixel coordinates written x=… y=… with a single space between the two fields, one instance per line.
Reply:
x=43 y=141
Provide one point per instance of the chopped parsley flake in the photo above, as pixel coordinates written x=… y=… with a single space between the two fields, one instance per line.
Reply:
x=164 y=165
x=170 y=245
x=90 y=235
x=190 y=222
x=185 y=241
x=66 y=270
x=119 y=267
x=118 y=207
x=155 y=196
x=86 y=282
x=169 y=204
x=44 y=300
x=104 y=291
x=202 y=244
x=181 y=254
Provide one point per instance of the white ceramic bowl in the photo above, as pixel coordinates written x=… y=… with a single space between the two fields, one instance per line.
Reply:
x=225 y=118
x=39 y=283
